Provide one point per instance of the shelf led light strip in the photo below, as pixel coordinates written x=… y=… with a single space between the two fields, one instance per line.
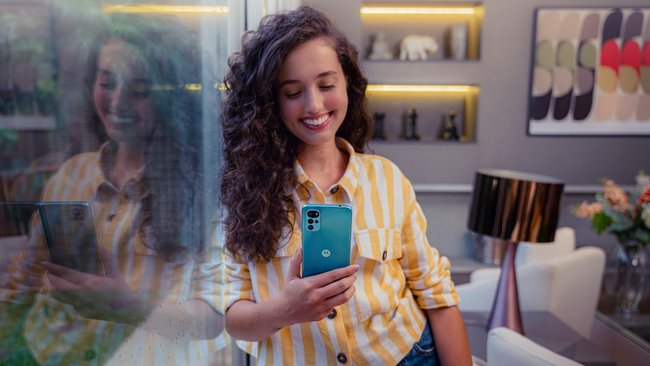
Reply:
x=176 y=9
x=415 y=10
x=421 y=88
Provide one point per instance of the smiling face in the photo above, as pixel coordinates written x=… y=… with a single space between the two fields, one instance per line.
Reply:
x=313 y=99
x=121 y=93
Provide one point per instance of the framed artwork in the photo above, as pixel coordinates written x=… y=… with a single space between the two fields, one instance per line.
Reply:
x=590 y=72
x=27 y=70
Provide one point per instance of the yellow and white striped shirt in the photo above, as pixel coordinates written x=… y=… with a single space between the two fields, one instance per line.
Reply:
x=400 y=274
x=54 y=331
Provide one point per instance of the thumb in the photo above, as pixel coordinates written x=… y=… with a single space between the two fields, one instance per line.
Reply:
x=294 y=265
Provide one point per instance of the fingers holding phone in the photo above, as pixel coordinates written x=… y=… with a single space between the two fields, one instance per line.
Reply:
x=313 y=298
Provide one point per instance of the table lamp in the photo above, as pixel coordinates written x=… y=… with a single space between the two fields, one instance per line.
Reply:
x=514 y=207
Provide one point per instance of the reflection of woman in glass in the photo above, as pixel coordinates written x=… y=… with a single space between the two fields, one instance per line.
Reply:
x=151 y=214
x=295 y=127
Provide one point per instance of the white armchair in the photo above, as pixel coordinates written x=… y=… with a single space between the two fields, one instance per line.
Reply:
x=508 y=348
x=564 y=243
x=567 y=286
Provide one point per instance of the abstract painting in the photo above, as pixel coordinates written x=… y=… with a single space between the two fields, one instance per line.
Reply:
x=590 y=72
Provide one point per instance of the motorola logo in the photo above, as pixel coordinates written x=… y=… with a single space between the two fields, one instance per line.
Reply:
x=326 y=253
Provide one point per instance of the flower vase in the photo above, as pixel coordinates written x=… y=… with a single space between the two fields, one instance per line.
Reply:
x=631 y=260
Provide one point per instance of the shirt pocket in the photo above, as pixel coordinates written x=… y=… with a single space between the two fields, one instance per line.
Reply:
x=381 y=279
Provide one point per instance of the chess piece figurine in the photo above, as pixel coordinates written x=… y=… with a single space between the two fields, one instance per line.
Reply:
x=380 y=49
x=411 y=130
x=450 y=131
x=380 y=131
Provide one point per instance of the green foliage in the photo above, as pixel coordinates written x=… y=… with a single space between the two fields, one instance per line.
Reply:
x=600 y=222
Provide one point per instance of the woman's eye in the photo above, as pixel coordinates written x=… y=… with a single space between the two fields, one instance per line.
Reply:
x=140 y=89
x=291 y=95
x=107 y=85
x=327 y=87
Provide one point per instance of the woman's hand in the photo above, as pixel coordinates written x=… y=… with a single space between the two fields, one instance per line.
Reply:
x=98 y=297
x=313 y=298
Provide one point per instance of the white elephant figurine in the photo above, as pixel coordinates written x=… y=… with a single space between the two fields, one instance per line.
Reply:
x=416 y=47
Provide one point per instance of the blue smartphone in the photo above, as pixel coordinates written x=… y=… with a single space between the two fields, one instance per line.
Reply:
x=326 y=237
x=70 y=236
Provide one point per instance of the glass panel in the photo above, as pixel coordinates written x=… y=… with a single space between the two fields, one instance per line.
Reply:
x=114 y=104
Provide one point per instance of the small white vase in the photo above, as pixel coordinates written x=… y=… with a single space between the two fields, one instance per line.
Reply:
x=458 y=42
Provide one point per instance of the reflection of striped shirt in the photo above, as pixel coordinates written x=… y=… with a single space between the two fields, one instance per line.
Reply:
x=400 y=274
x=56 y=334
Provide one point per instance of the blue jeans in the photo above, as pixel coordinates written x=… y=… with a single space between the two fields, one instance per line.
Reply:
x=423 y=352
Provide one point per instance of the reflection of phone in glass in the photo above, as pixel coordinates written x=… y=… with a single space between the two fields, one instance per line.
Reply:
x=70 y=235
x=326 y=236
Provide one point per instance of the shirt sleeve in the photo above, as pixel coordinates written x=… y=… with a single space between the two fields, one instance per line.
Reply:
x=237 y=282
x=427 y=273
x=207 y=277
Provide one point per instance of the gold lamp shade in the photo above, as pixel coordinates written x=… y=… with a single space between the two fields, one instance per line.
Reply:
x=513 y=206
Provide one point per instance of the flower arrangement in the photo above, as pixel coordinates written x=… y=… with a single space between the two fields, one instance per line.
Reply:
x=626 y=215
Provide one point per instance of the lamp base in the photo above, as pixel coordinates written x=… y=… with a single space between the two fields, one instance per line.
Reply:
x=505 y=308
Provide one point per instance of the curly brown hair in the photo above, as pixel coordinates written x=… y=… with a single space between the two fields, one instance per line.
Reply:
x=259 y=151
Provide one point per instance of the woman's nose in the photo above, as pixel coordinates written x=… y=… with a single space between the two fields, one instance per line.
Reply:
x=314 y=102
x=121 y=100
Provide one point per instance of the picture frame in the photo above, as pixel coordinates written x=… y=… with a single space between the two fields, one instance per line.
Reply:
x=590 y=72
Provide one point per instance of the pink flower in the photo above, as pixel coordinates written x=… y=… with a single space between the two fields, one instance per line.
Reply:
x=644 y=196
x=616 y=197
x=587 y=210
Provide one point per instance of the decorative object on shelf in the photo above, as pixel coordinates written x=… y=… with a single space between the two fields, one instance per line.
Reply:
x=380 y=49
x=589 y=72
x=450 y=131
x=411 y=126
x=513 y=206
x=458 y=41
x=380 y=132
x=627 y=217
x=416 y=47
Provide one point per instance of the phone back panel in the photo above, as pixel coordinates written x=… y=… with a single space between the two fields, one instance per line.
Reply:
x=326 y=239
x=70 y=235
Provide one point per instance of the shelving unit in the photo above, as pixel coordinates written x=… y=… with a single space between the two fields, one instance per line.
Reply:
x=432 y=103
x=396 y=20
x=435 y=86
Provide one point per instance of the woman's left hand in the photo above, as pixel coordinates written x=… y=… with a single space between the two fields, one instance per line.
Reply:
x=98 y=297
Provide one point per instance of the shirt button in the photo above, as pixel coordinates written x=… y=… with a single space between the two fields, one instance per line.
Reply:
x=384 y=255
x=332 y=315
x=342 y=357
x=334 y=189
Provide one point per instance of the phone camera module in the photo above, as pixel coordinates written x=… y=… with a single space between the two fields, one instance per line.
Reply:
x=312 y=213
x=310 y=227
x=310 y=221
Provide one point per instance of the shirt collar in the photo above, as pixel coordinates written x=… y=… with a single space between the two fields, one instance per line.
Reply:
x=134 y=187
x=350 y=177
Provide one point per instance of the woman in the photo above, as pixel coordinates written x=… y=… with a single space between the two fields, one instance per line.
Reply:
x=295 y=125
x=159 y=296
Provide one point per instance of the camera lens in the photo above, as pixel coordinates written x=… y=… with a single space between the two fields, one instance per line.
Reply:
x=310 y=227
x=312 y=213
x=310 y=221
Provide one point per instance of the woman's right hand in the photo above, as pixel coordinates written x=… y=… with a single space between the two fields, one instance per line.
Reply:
x=313 y=298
